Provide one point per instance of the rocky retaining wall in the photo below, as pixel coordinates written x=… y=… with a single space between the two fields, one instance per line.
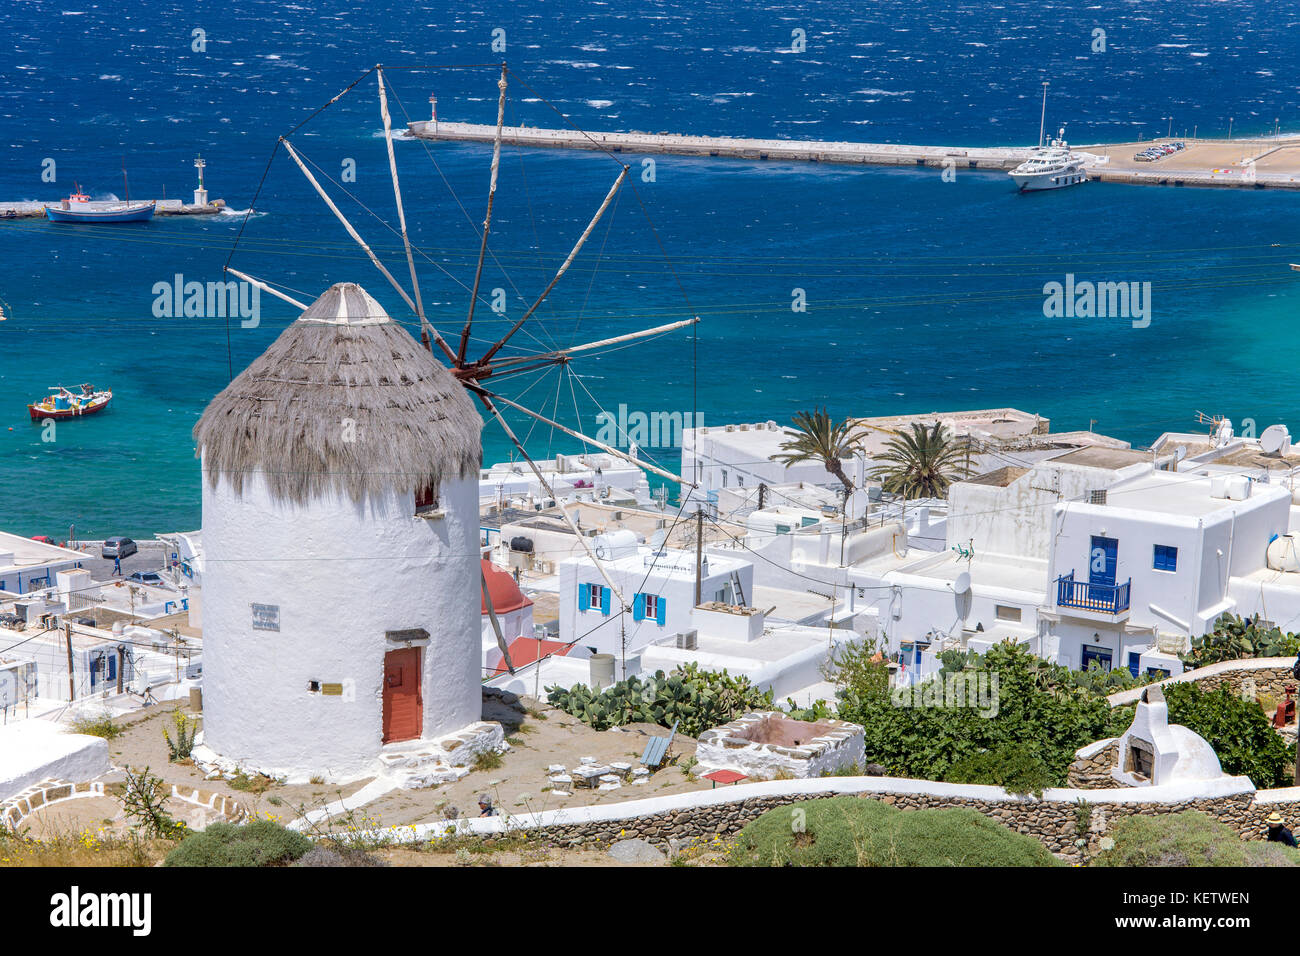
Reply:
x=1092 y=766
x=1070 y=823
x=1255 y=677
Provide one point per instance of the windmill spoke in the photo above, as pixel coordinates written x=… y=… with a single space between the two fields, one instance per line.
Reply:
x=613 y=190
x=266 y=288
x=496 y=625
x=484 y=393
x=347 y=225
x=487 y=220
x=426 y=327
x=582 y=539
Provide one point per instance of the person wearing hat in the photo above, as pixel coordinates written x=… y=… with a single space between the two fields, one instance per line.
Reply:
x=1277 y=831
x=485 y=808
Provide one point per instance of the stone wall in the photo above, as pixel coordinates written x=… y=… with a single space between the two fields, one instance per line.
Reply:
x=1256 y=677
x=16 y=809
x=835 y=744
x=1092 y=766
x=1060 y=819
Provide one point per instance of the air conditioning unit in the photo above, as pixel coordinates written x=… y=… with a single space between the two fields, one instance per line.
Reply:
x=744 y=428
x=731 y=428
x=688 y=640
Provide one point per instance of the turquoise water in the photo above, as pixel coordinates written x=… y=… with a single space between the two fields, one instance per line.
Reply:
x=921 y=294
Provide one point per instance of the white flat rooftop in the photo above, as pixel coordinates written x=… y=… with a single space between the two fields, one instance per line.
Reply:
x=1010 y=572
x=796 y=606
x=1175 y=493
x=27 y=552
x=778 y=642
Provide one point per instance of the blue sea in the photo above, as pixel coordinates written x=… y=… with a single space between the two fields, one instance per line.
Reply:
x=921 y=294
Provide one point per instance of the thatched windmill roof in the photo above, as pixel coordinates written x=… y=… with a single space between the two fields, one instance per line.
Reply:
x=343 y=361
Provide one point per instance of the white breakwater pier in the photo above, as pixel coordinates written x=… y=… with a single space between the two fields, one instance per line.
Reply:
x=872 y=154
x=1268 y=163
x=166 y=207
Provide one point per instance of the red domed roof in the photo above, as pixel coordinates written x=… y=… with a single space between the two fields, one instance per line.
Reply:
x=506 y=595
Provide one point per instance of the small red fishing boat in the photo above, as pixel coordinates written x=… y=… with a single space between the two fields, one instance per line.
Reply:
x=66 y=404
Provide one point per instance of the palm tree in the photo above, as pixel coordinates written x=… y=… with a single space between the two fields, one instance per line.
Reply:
x=922 y=464
x=815 y=437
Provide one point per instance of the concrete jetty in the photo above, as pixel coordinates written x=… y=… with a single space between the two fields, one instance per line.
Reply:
x=1251 y=163
x=873 y=154
x=166 y=207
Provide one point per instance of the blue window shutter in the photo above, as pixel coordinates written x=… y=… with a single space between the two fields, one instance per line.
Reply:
x=584 y=597
x=661 y=611
x=638 y=608
x=604 y=600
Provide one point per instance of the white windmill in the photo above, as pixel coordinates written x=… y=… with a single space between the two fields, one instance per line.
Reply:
x=264 y=699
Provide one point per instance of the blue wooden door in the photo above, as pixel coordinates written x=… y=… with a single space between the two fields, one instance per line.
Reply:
x=1134 y=662
x=1103 y=557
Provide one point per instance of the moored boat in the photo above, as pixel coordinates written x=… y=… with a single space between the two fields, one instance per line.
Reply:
x=81 y=208
x=64 y=403
x=89 y=211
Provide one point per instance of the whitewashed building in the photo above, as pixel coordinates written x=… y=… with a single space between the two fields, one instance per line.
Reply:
x=658 y=586
x=340 y=536
x=27 y=565
x=1104 y=556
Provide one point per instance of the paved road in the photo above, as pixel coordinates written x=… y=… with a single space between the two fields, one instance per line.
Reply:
x=146 y=559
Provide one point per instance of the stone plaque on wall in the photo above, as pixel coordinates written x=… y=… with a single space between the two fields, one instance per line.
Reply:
x=266 y=617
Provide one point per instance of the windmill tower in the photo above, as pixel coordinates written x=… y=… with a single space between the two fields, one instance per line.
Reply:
x=340 y=516
x=276 y=472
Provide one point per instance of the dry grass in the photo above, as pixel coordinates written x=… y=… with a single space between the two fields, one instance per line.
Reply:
x=84 y=848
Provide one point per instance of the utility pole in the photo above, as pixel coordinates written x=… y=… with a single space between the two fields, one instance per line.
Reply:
x=121 y=665
x=699 y=551
x=72 y=690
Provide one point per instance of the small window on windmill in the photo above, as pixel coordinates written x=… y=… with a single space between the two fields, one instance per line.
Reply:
x=1140 y=760
x=426 y=501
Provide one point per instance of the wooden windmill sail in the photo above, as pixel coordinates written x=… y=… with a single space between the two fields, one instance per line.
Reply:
x=474 y=373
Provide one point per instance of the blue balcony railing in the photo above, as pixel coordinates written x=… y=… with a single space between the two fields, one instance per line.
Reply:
x=1104 y=598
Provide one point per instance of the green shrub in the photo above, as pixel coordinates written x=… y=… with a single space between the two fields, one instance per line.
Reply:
x=1037 y=703
x=1233 y=639
x=258 y=843
x=852 y=831
x=182 y=745
x=1190 y=838
x=1015 y=767
x=693 y=698
x=1240 y=733
x=101 y=726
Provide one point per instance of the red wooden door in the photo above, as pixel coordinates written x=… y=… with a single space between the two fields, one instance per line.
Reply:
x=403 y=702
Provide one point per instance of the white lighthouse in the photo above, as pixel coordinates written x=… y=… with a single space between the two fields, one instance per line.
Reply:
x=340 y=526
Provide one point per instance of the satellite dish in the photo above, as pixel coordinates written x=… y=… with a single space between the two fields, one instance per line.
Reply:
x=962 y=583
x=1180 y=453
x=1275 y=440
x=657 y=540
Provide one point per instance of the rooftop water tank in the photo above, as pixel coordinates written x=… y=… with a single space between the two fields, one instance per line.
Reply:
x=1283 y=553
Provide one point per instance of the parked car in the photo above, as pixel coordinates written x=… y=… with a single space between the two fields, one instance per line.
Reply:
x=145 y=577
x=118 y=547
x=43 y=538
